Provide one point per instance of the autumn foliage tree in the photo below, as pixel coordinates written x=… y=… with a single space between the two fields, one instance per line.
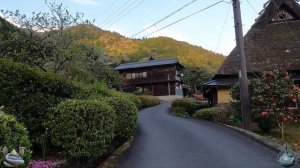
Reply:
x=274 y=97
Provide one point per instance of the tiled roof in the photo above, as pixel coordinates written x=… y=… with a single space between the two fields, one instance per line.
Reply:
x=150 y=63
x=222 y=82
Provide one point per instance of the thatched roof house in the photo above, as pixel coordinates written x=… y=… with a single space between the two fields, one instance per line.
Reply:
x=273 y=42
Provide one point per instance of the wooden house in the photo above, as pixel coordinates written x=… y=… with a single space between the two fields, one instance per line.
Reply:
x=161 y=77
x=273 y=42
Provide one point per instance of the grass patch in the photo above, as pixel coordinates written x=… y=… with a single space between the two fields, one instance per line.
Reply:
x=292 y=134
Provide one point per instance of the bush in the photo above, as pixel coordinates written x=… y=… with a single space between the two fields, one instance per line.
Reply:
x=13 y=135
x=27 y=93
x=131 y=97
x=266 y=123
x=201 y=105
x=220 y=114
x=84 y=129
x=148 y=101
x=183 y=105
x=206 y=114
x=126 y=114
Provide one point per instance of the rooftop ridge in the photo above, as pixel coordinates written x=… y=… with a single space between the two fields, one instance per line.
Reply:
x=130 y=63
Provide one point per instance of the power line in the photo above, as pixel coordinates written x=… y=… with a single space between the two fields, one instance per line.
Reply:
x=120 y=13
x=125 y=13
x=184 y=6
x=222 y=31
x=124 y=4
x=187 y=17
x=252 y=7
x=106 y=9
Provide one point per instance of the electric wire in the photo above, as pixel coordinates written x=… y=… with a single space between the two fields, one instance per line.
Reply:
x=119 y=18
x=252 y=7
x=286 y=22
x=179 y=9
x=179 y=20
x=113 y=14
x=106 y=9
x=223 y=27
x=119 y=13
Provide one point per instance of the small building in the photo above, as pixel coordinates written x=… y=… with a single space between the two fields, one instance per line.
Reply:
x=161 y=77
x=272 y=43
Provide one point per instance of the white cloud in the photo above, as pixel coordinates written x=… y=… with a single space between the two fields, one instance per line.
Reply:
x=86 y=2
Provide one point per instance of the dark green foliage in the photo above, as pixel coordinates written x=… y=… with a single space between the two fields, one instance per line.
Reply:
x=201 y=105
x=13 y=135
x=266 y=123
x=195 y=76
x=27 y=93
x=126 y=113
x=183 y=105
x=206 y=114
x=148 y=101
x=131 y=97
x=84 y=129
x=219 y=114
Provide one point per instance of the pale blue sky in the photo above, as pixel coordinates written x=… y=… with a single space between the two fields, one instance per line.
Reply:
x=203 y=29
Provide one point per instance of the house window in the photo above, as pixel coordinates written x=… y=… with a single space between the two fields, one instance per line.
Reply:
x=144 y=74
x=139 y=75
x=128 y=76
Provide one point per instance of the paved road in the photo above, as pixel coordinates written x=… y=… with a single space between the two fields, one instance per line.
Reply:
x=166 y=141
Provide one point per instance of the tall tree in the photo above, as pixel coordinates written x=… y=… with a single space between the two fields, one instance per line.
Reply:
x=49 y=29
x=195 y=77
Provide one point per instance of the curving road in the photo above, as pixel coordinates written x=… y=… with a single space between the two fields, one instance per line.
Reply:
x=166 y=141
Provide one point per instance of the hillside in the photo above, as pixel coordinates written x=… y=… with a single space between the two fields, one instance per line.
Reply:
x=120 y=47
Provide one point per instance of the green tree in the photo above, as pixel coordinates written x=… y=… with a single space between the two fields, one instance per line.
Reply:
x=273 y=95
x=50 y=29
x=194 y=76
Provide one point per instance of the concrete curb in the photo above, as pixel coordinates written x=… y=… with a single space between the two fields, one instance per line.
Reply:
x=265 y=141
x=112 y=159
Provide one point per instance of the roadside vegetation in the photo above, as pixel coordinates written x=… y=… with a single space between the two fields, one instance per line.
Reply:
x=274 y=101
x=58 y=97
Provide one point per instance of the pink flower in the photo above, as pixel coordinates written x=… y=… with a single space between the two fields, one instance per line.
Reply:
x=264 y=113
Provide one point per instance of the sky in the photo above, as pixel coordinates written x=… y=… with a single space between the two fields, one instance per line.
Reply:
x=212 y=29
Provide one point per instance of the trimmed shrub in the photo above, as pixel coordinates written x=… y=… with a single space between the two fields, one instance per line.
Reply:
x=131 y=97
x=201 y=105
x=148 y=101
x=183 y=105
x=126 y=117
x=206 y=114
x=27 y=93
x=220 y=114
x=13 y=135
x=83 y=129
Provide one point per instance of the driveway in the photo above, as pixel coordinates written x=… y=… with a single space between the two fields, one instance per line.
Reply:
x=166 y=141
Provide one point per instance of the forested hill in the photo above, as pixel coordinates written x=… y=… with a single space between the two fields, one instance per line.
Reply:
x=120 y=47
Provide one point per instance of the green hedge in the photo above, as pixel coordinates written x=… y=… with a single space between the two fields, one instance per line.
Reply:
x=220 y=114
x=207 y=113
x=126 y=113
x=13 y=135
x=84 y=129
x=183 y=106
x=27 y=93
x=148 y=101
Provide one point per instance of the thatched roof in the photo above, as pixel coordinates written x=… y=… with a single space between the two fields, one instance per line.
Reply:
x=271 y=43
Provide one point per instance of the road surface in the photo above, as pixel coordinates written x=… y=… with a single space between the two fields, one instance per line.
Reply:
x=166 y=141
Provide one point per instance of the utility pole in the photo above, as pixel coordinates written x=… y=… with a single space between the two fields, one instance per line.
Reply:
x=243 y=79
